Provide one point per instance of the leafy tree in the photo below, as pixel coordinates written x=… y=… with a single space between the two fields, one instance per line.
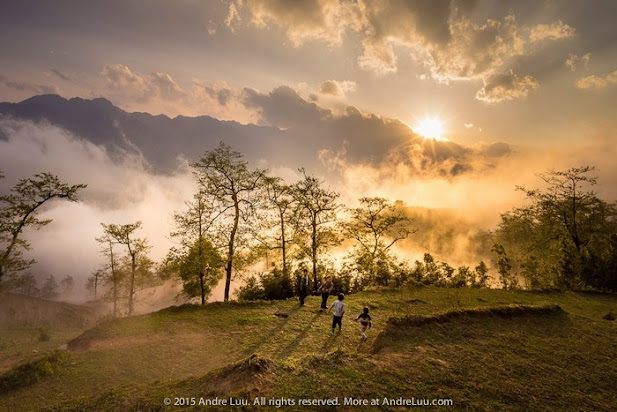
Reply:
x=316 y=209
x=18 y=211
x=376 y=226
x=114 y=275
x=197 y=262
x=431 y=271
x=49 y=288
x=480 y=275
x=462 y=278
x=94 y=281
x=199 y=268
x=25 y=284
x=504 y=266
x=562 y=239
x=136 y=247
x=231 y=187
x=66 y=284
x=280 y=201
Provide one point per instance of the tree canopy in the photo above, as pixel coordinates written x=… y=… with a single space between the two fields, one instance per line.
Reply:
x=18 y=211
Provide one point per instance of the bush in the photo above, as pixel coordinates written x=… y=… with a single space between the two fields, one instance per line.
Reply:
x=276 y=285
x=251 y=290
x=273 y=285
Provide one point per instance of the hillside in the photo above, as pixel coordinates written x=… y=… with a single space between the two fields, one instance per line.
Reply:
x=24 y=311
x=483 y=349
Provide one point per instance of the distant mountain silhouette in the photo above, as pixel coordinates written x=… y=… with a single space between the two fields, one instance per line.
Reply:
x=159 y=138
x=311 y=135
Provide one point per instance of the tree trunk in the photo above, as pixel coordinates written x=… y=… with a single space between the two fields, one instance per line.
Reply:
x=200 y=258
x=114 y=278
x=132 y=286
x=203 y=292
x=314 y=253
x=230 y=250
x=283 y=246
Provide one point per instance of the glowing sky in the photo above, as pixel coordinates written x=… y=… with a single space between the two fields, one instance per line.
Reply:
x=519 y=86
x=513 y=71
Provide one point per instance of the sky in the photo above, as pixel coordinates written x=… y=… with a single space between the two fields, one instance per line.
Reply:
x=510 y=88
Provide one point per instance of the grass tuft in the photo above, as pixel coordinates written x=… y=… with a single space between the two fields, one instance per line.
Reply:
x=31 y=372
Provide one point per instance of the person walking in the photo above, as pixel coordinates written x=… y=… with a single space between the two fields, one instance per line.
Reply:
x=365 y=322
x=339 y=311
x=303 y=286
x=325 y=289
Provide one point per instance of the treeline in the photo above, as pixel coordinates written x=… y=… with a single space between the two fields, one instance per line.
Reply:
x=50 y=288
x=240 y=217
x=274 y=285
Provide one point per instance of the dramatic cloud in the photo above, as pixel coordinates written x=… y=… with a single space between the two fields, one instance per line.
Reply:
x=506 y=86
x=284 y=107
x=160 y=93
x=28 y=87
x=573 y=60
x=556 y=31
x=440 y=35
x=598 y=81
x=220 y=100
x=125 y=85
x=476 y=49
x=324 y=20
x=336 y=88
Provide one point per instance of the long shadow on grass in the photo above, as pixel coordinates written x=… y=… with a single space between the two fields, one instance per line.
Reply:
x=269 y=334
x=289 y=348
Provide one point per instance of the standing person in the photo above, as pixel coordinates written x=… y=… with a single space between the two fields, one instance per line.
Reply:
x=365 y=322
x=339 y=311
x=325 y=289
x=303 y=286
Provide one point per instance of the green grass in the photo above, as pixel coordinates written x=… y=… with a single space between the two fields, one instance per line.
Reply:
x=530 y=361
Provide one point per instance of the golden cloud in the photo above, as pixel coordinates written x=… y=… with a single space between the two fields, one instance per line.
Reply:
x=598 y=81
x=506 y=86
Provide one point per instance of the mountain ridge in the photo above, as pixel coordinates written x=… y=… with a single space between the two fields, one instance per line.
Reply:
x=159 y=138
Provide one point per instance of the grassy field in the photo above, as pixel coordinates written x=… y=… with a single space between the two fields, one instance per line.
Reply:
x=426 y=344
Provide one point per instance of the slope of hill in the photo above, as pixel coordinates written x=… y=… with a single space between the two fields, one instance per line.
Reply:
x=481 y=349
x=27 y=311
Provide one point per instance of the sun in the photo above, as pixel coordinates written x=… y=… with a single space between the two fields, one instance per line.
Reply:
x=430 y=128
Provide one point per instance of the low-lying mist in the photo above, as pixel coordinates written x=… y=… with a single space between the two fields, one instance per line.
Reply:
x=449 y=212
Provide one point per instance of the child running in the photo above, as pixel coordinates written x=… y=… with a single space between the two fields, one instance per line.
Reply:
x=365 y=321
x=339 y=311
